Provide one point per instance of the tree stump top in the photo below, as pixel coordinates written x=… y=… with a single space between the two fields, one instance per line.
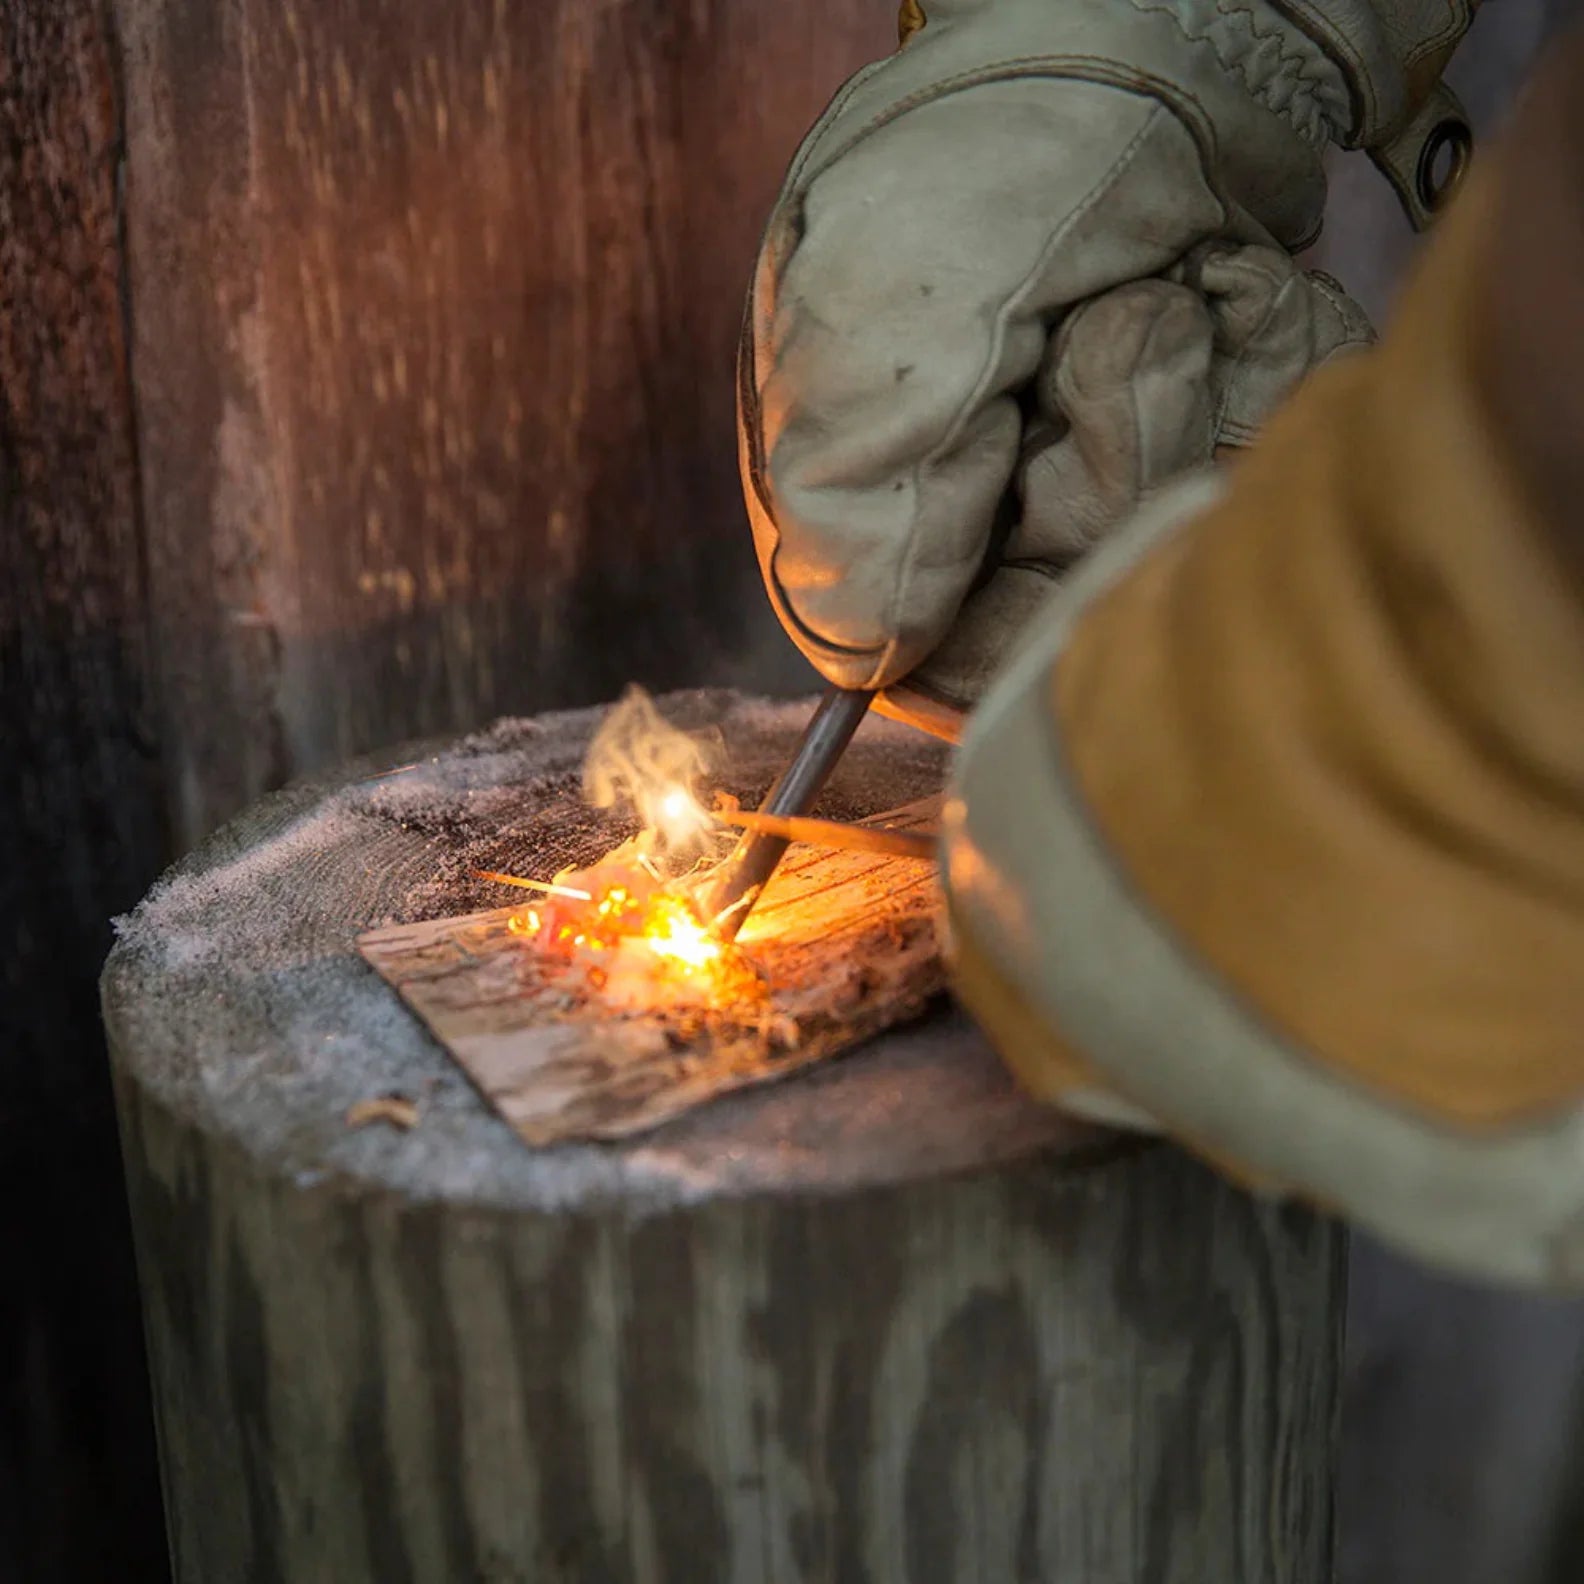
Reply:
x=235 y=996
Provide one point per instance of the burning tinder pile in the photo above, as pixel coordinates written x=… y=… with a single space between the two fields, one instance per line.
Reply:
x=636 y=923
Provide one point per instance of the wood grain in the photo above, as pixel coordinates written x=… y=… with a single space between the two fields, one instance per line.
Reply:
x=1119 y=1374
x=886 y=1320
x=842 y=945
x=435 y=314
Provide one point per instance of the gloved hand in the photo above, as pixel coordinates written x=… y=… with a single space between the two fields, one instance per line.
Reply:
x=1139 y=386
x=915 y=343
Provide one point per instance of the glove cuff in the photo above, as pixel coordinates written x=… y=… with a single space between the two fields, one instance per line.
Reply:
x=1354 y=72
x=1360 y=74
x=1391 y=52
x=1278 y=64
x=1258 y=94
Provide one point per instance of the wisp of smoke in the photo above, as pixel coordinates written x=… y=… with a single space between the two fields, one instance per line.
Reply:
x=640 y=760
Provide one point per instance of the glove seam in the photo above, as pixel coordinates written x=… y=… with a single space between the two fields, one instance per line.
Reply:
x=829 y=117
x=1101 y=71
x=1346 y=310
x=1446 y=39
x=1233 y=431
x=1235 y=35
x=973 y=402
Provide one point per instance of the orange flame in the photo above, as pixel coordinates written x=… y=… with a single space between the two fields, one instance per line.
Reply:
x=674 y=932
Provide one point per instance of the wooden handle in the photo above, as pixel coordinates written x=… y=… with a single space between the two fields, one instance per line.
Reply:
x=833 y=833
x=924 y=714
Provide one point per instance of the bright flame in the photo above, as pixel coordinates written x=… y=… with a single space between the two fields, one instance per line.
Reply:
x=629 y=921
x=673 y=932
x=659 y=924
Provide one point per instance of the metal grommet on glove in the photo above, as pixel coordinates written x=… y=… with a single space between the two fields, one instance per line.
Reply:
x=1451 y=137
x=1426 y=158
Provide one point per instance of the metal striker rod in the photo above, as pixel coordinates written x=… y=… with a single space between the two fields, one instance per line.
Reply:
x=839 y=715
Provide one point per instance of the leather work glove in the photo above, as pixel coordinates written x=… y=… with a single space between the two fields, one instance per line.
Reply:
x=1139 y=386
x=1027 y=269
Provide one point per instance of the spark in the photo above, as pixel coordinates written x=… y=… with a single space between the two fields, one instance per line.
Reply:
x=548 y=886
x=673 y=932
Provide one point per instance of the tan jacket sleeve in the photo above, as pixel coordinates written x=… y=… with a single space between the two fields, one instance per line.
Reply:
x=1276 y=828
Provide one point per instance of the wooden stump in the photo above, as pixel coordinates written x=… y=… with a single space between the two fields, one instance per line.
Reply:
x=883 y=1321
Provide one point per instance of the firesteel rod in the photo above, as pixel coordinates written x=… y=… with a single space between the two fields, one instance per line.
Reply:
x=839 y=715
x=834 y=833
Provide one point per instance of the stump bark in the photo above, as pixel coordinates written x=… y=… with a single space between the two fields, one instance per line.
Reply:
x=886 y=1320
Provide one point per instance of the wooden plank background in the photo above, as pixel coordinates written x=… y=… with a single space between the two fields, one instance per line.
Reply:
x=396 y=394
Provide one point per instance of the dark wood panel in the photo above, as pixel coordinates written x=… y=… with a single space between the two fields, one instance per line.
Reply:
x=436 y=309
x=81 y=831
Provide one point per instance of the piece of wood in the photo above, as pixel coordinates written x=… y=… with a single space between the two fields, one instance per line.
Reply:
x=840 y=946
x=862 y=837
x=81 y=815
x=887 y=1320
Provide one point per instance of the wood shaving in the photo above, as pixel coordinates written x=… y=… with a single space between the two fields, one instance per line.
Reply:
x=396 y=1109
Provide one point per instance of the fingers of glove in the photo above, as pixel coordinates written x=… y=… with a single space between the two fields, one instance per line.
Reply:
x=1274 y=323
x=1141 y=385
x=901 y=301
x=961 y=666
x=1151 y=380
x=1126 y=402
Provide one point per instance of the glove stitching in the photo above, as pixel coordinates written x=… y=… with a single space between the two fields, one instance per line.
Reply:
x=817 y=133
x=1361 y=71
x=974 y=401
x=1348 y=311
x=1235 y=432
x=1051 y=574
x=1460 y=19
x=1100 y=70
x=1317 y=106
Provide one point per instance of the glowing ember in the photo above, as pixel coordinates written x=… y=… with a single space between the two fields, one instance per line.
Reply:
x=672 y=930
x=640 y=946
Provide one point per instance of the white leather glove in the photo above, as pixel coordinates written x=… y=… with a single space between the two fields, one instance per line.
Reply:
x=1140 y=385
x=937 y=230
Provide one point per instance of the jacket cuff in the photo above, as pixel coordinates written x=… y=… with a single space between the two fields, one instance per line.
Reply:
x=1084 y=986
